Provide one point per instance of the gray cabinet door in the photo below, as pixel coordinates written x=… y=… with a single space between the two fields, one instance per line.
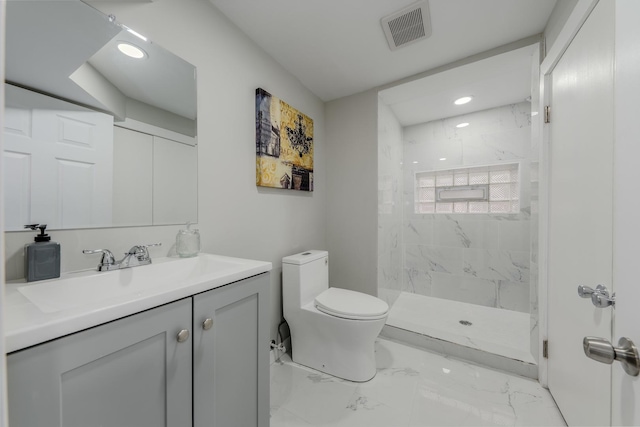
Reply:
x=131 y=372
x=231 y=359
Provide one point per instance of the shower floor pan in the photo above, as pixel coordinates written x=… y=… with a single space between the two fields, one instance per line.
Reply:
x=488 y=336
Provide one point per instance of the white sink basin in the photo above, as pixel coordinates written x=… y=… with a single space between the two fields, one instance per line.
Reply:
x=87 y=288
x=42 y=311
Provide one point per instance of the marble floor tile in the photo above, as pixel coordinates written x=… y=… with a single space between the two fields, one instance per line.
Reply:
x=284 y=418
x=411 y=388
x=493 y=330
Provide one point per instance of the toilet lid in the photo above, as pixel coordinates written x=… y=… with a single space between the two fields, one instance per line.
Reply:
x=351 y=305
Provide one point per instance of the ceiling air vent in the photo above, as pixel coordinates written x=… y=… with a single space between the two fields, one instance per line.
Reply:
x=408 y=25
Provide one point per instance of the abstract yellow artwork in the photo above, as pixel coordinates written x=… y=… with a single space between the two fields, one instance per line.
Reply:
x=284 y=145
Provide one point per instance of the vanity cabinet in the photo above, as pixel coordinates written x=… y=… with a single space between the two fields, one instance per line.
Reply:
x=143 y=371
x=130 y=372
x=231 y=355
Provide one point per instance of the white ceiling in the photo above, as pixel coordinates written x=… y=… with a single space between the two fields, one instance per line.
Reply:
x=492 y=82
x=47 y=41
x=161 y=79
x=38 y=60
x=337 y=48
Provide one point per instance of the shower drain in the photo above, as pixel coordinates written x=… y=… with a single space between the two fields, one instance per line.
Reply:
x=465 y=323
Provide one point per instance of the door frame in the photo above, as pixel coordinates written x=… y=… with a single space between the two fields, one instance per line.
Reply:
x=571 y=27
x=3 y=383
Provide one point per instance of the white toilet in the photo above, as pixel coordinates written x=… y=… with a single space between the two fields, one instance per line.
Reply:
x=333 y=330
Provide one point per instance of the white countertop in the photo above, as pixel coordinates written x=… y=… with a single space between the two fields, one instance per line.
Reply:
x=33 y=320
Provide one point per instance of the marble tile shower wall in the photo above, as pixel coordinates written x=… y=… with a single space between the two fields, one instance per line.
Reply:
x=476 y=258
x=389 y=205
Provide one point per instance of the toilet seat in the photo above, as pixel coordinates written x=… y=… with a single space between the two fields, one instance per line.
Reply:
x=351 y=305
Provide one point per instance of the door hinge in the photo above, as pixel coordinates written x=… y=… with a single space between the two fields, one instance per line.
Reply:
x=547 y=114
x=545 y=349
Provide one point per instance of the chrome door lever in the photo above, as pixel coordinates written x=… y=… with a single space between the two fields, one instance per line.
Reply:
x=601 y=350
x=599 y=296
x=603 y=300
x=585 y=291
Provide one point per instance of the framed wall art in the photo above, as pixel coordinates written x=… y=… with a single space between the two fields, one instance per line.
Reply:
x=284 y=145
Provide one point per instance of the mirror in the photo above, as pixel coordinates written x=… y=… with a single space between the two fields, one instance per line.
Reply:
x=93 y=137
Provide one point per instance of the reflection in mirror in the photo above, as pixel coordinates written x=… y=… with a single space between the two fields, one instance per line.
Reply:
x=93 y=137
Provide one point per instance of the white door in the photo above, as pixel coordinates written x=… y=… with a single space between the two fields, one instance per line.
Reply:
x=59 y=162
x=626 y=224
x=590 y=218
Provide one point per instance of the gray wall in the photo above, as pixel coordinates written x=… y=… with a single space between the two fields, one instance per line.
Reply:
x=236 y=218
x=352 y=185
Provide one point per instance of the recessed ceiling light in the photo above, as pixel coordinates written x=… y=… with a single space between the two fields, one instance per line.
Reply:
x=415 y=162
x=462 y=125
x=131 y=50
x=443 y=158
x=463 y=100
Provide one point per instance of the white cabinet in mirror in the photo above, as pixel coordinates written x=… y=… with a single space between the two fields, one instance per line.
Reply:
x=71 y=167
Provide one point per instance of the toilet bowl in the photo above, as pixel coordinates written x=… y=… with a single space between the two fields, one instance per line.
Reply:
x=333 y=330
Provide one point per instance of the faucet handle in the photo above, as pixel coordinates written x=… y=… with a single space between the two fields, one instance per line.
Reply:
x=142 y=247
x=141 y=252
x=152 y=244
x=107 y=256
x=146 y=250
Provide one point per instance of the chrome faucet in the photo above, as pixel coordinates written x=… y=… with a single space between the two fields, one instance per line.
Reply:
x=137 y=255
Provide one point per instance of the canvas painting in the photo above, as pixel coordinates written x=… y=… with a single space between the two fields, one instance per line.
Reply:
x=284 y=145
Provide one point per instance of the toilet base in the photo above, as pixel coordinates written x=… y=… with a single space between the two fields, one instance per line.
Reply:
x=338 y=347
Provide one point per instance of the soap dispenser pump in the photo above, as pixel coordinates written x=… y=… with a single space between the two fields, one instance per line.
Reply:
x=41 y=258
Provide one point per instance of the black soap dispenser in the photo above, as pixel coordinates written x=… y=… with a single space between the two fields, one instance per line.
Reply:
x=41 y=258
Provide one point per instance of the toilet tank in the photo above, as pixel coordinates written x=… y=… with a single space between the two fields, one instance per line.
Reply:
x=304 y=276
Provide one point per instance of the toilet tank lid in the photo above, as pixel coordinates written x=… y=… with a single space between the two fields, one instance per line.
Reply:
x=304 y=257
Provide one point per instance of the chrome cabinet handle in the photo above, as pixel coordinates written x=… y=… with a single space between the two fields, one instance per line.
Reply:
x=183 y=335
x=207 y=324
x=601 y=350
x=599 y=296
